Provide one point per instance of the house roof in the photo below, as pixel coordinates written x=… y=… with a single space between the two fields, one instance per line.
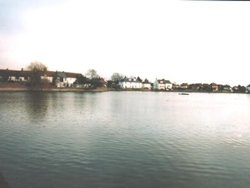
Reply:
x=4 y=72
x=72 y=75
x=60 y=74
x=134 y=79
x=146 y=81
x=213 y=84
x=138 y=79
x=50 y=73
x=163 y=81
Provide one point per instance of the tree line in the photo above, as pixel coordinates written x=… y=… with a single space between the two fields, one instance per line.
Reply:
x=92 y=80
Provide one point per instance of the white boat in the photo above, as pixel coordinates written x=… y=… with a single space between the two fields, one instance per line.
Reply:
x=183 y=93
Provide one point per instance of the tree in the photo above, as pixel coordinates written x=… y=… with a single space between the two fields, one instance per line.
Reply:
x=116 y=77
x=97 y=82
x=37 y=70
x=94 y=79
x=242 y=89
x=91 y=73
x=37 y=67
x=82 y=80
x=206 y=88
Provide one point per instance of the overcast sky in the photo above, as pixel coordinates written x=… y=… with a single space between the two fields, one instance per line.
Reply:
x=183 y=41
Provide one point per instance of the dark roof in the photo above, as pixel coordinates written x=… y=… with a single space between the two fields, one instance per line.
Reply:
x=146 y=81
x=138 y=79
x=164 y=81
x=29 y=73
x=49 y=73
x=214 y=84
x=125 y=79
x=72 y=75
x=61 y=74
x=196 y=84
x=14 y=72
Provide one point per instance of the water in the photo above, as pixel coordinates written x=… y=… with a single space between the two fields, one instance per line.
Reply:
x=124 y=140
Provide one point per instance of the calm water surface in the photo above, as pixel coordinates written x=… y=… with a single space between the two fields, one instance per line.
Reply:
x=124 y=140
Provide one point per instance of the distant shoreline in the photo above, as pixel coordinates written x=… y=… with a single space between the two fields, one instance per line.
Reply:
x=17 y=87
x=101 y=90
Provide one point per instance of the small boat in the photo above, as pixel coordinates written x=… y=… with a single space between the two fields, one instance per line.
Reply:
x=183 y=93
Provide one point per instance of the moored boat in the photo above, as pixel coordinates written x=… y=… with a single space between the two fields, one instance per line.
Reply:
x=183 y=93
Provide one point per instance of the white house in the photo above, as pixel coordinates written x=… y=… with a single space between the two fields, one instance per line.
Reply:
x=65 y=79
x=14 y=78
x=131 y=83
x=48 y=75
x=71 y=78
x=163 y=84
x=15 y=75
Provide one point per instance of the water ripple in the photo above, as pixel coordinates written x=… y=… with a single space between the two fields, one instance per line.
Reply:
x=124 y=139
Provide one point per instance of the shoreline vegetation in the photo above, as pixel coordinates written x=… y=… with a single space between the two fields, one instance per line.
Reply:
x=37 y=77
x=16 y=87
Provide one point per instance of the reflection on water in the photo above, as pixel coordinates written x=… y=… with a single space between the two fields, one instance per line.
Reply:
x=124 y=139
x=37 y=104
x=3 y=182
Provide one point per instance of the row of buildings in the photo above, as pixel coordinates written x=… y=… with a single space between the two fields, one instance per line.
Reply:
x=166 y=85
x=59 y=79
x=66 y=79
x=137 y=83
x=162 y=84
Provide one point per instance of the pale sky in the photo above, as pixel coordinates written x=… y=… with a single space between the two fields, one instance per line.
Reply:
x=183 y=41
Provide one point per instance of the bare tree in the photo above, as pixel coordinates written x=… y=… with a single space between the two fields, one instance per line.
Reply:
x=37 y=70
x=37 y=66
x=116 y=77
x=91 y=73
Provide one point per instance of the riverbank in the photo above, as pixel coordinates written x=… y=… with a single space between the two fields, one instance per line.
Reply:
x=18 y=87
x=99 y=90
x=22 y=87
x=54 y=90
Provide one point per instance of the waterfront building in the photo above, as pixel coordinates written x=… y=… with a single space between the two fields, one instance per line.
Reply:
x=214 y=87
x=162 y=85
x=131 y=83
x=227 y=89
x=59 y=79
x=65 y=79
x=184 y=86
x=14 y=75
